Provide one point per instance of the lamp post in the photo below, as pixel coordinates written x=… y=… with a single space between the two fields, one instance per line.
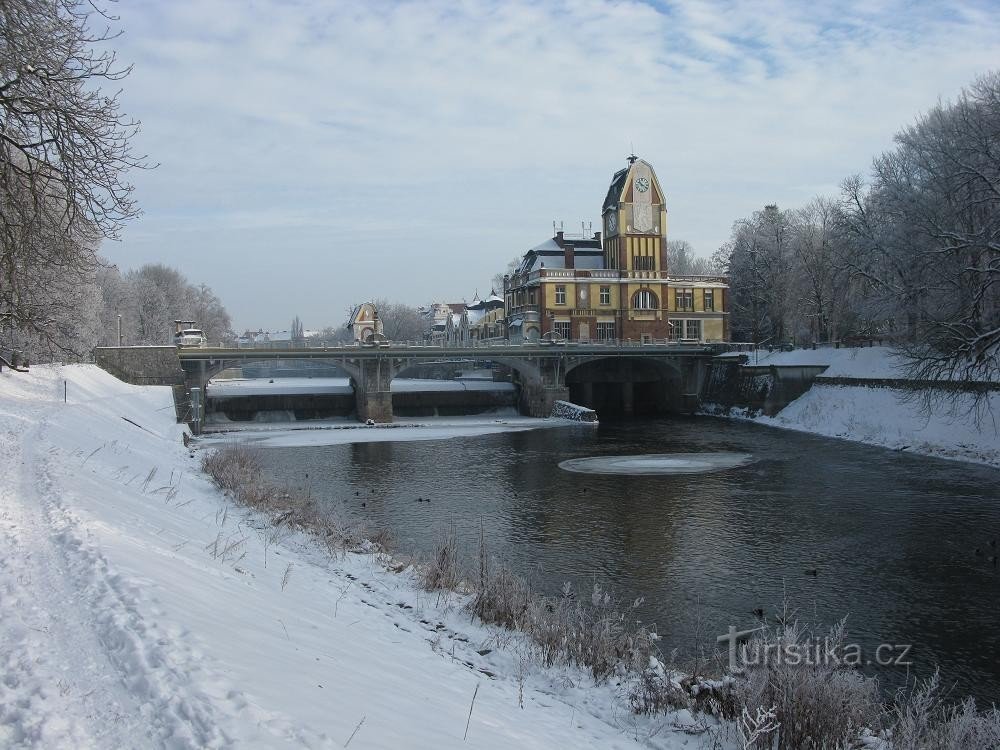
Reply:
x=119 y=330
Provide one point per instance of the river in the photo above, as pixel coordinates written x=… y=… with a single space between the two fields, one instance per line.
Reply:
x=891 y=537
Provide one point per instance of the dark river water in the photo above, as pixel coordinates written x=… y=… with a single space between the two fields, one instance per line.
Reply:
x=892 y=537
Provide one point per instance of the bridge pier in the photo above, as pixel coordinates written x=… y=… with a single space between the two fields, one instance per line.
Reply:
x=628 y=398
x=376 y=406
x=537 y=400
x=372 y=394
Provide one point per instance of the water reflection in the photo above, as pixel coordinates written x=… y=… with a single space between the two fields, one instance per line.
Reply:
x=890 y=536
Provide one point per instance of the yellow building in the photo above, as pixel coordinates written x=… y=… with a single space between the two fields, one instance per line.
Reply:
x=615 y=284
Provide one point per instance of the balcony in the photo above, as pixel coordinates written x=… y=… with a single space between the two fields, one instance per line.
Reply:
x=724 y=281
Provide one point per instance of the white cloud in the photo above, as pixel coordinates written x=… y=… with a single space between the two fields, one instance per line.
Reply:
x=340 y=151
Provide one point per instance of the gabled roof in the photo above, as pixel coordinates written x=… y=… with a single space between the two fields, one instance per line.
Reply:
x=615 y=190
x=357 y=311
x=619 y=181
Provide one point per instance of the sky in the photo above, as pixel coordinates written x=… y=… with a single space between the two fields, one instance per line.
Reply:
x=313 y=154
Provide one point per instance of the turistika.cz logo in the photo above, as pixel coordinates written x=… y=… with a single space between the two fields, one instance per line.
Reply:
x=744 y=652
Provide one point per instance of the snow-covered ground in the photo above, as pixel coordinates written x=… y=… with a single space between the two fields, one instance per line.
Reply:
x=859 y=362
x=138 y=609
x=287 y=386
x=884 y=416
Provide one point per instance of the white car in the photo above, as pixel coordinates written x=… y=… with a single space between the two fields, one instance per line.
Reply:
x=191 y=337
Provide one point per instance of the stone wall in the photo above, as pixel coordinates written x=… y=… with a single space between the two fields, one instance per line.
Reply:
x=538 y=400
x=141 y=365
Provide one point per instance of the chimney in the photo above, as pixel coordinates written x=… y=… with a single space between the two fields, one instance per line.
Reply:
x=597 y=236
x=559 y=238
x=568 y=256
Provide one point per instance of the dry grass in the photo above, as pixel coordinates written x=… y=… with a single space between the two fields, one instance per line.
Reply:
x=923 y=720
x=819 y=705
x=591 y=632
x=237 y=470
x=813 y=706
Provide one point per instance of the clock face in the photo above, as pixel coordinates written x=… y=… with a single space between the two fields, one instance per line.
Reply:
x=642 y=184
x=612 y=221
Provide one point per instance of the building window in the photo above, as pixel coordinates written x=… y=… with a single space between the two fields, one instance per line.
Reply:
x=644 y=300
x=562 y=329
x=692 y=329
x=606 y=296
x=676 y=326
x=709 y=300
x=685 y=299
x=561 y=295
x=531 y=297
x=606 y=331
x=643 y=262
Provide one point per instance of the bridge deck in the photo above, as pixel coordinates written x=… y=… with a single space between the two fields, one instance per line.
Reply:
x=442 y=352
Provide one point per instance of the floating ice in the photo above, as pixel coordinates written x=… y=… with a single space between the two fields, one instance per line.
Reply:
x=657 y=463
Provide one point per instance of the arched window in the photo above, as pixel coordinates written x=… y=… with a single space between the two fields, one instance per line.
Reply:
x=645 y=300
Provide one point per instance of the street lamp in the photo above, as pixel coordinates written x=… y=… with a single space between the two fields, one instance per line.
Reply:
x=119 y=330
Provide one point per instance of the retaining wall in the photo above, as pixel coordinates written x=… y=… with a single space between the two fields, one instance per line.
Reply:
x=141 y=365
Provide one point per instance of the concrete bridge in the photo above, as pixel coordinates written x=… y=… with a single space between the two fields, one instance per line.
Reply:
x=668 y=376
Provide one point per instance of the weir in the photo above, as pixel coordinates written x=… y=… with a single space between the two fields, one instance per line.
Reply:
x=662 y=377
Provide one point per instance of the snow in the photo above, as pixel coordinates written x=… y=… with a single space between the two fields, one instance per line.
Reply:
x=415 y=385
x=121 y=628
x=230 y=387
x=885 y=417
x=857 y=362
x=652 y=464
x=349 y=430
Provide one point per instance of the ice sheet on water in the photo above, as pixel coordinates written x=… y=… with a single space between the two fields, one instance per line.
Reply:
x=657 y=463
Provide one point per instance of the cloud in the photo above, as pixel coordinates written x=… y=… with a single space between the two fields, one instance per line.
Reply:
x=354 y=150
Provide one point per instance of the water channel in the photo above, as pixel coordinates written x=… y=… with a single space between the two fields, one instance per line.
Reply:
x=891 y=537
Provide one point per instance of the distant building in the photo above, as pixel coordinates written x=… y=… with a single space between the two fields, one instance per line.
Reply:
x=484 y=319
x=615 y=284
x=364 y=322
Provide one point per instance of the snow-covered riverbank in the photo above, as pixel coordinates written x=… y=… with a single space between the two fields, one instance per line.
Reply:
x=141 y=609
x=883 y=416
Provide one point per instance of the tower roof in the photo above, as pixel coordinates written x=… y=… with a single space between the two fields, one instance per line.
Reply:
x=619 y=183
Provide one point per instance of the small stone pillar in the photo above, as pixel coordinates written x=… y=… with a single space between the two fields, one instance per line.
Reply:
x=538 y=400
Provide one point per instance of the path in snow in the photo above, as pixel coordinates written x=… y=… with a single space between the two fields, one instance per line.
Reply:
x=122 y=628
x=81 y=667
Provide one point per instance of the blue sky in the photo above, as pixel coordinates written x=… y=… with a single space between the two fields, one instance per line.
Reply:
x=313 y=154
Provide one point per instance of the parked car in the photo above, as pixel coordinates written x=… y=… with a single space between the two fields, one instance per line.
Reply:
x=191 y=337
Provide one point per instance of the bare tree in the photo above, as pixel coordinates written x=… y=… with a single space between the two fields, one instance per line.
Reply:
x=150 y=298
x=399 y=322
x=64 y=152
x=682 y=260
x=937 y=194
x=297 y=330
x=497 y=279
x=822 y=308
x=757 y=259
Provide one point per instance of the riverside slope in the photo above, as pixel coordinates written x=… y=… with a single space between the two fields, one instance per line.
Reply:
x=139 y=608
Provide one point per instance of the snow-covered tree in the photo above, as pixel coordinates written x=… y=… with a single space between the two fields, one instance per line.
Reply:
x=64 y=153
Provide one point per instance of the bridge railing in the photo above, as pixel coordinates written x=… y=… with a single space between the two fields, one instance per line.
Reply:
x=489 y=345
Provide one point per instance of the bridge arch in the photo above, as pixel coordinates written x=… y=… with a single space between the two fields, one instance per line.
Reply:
x=625 y=385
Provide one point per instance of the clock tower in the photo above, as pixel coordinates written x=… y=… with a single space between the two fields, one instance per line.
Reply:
x=635 y=221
